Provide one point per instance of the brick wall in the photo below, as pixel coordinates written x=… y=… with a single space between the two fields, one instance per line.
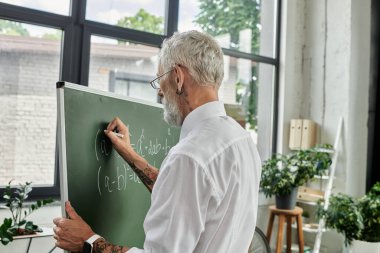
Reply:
x=28 y=112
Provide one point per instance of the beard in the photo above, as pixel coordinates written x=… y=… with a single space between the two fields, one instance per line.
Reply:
x=172 y=115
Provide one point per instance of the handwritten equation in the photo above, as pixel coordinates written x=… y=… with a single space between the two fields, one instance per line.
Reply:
x=115 y=176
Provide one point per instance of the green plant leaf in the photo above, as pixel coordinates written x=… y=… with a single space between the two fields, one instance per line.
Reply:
x=281 y=173
x=13 y=231
x=21 y=223
x=30 y=227
x=7 y=222
x=15 y=202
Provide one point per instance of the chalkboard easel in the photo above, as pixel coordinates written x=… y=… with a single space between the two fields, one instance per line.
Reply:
x=98 y=182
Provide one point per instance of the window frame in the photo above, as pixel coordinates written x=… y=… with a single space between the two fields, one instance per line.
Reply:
x=75 y=53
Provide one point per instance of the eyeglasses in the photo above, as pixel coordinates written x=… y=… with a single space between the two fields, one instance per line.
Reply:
x=156 y=82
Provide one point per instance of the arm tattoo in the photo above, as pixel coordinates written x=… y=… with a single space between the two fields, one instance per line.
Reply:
x=147 y=175
x=102 y=246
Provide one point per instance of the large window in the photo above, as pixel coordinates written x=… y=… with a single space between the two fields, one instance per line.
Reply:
x=123 y=67
x=113 y=46
x=243 y=25
x=30 y=65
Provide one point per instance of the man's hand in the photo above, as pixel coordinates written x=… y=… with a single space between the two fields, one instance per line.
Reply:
x=122 y=145
x=71 y=233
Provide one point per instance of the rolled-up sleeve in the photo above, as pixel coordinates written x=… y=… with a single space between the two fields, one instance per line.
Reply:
x=177 y=215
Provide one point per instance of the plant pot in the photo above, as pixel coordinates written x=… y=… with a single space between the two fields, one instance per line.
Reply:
x=362 y=246
x=287 y=201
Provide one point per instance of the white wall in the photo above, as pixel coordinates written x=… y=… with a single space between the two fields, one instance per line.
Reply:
x=325 y=75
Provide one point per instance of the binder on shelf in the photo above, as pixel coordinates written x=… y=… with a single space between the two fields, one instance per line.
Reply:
x=303 y=134
x=309 y=134
x=295 y=134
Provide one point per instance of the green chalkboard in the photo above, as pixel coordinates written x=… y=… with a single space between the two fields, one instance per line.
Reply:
x=99 y=183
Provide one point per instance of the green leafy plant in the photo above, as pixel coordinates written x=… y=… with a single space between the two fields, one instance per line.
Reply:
x=356 y=219
x=17 y=224
x=282 y=173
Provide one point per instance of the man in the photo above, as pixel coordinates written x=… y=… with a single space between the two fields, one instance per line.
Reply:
x=205 y=196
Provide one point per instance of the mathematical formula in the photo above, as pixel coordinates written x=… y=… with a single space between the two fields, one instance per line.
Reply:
x=116 y=178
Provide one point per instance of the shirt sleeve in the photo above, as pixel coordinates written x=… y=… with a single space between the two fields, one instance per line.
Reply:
x=180 y=200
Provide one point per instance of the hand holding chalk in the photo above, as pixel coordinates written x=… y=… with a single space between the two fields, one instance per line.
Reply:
x=118 y=135
x=120 y=139
x=115 y=133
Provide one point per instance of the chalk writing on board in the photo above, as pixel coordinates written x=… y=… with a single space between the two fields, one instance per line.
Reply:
x=116 y=179
x=101 y=144
x=113 y=183
x=143 y=146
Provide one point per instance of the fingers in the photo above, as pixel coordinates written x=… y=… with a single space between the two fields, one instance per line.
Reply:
x=116 y=123
x=71 y=246
x=57 y=221
x=122 y=129
x=57 y=232
x=71 y=212
x=111 y=135
x=70 y=233
x=61 y=236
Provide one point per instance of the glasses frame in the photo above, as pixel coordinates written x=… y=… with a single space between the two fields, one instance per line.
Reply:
x=155 y=83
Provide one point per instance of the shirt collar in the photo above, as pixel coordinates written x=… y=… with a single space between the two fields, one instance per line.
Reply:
x=208 y=110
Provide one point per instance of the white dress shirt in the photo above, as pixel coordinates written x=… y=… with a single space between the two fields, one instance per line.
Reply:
x=206 y=195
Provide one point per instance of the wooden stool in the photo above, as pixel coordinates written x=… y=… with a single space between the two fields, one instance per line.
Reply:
x=287 y=215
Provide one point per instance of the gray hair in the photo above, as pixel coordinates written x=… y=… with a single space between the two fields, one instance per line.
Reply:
x=198 y=52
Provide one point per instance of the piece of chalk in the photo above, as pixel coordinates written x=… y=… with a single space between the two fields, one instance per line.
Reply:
x=119 y=135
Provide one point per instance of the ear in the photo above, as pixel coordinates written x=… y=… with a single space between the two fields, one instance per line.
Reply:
x=179 y=76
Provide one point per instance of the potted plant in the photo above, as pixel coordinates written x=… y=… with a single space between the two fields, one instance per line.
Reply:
x=357 y=219
x=17 y=224
x=282 y=174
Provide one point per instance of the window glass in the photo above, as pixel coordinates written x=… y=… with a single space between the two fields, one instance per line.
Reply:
x=247 y=90
x=243 y=25
x=29 y=63
x=59 y=7
x=145 y=15
x=123 y=67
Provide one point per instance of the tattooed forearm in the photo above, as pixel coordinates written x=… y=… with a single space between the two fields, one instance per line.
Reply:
x=147 y=175
x=102 y=246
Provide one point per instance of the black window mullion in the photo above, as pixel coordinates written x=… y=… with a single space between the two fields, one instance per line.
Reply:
x=116 y=32
x=276 y=77
x=73 y=43
x=32 y=16
x=171 y=17
x=85 y=61
x=248 y=56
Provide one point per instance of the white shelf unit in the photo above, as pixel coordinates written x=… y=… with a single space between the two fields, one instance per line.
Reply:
x=310 y=196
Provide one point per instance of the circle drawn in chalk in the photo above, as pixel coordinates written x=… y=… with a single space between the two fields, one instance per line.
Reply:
x=103 y=146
